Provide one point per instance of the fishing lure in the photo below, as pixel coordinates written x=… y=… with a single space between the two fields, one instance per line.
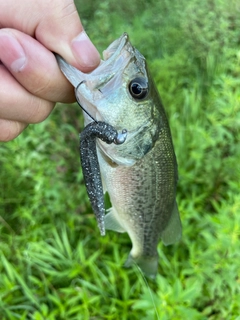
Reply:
x=90 y=165
x=89 y=160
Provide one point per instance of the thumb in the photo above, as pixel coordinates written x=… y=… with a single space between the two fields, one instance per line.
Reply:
x=60 y=30
x=56 y=25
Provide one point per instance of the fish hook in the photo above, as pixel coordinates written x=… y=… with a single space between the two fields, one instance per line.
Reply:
x=80 y=103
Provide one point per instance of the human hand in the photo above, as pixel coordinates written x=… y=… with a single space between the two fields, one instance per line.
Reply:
x=30 y=79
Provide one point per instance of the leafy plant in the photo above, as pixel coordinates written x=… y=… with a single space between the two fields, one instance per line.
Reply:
x=53 y=262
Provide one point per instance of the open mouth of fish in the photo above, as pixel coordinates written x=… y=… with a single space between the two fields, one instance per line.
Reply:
x=90 y=87
x=90 y=90
x=104 y=80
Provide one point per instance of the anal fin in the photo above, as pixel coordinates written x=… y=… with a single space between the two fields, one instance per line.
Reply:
x=173 y=231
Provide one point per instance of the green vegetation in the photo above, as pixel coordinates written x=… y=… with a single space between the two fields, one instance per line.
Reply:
x=53 y=262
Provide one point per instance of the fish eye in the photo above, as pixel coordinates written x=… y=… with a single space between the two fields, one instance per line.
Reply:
x=138 y=88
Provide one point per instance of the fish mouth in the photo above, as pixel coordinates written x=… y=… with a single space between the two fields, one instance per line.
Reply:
x=87 y=86
x=105 y=78
x=115 y=47
x=113 y=58
x=110 y=55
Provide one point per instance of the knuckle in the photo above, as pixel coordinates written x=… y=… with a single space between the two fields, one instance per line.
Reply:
x=42 y=87
x=39 y=110
x=69 y=9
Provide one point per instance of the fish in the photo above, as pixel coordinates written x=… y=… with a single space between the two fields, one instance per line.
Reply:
x=140 y=174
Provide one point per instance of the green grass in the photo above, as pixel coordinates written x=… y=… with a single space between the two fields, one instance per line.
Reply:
x=53 y=262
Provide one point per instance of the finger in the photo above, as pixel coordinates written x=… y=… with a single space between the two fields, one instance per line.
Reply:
x=56 y=25
x=34 y=66
x=18 y=104
x=67 y=36
x=9 y=130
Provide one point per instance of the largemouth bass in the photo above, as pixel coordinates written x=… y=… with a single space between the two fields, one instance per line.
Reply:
x=140 y=175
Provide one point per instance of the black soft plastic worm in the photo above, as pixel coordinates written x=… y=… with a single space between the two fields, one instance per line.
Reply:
x=90 y=165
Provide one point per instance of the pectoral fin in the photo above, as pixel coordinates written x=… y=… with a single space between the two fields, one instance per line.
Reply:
x=111 y=222
x=173 y=231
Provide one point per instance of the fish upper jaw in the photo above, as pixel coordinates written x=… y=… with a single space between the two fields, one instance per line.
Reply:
x=113 y=58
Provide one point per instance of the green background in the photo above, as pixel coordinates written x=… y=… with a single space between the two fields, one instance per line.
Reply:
x=53 y=262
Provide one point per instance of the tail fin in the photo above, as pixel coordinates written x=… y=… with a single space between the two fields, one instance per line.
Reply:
x=148 y=265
